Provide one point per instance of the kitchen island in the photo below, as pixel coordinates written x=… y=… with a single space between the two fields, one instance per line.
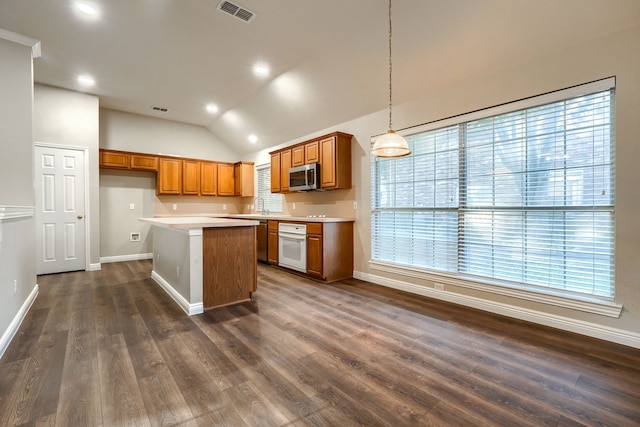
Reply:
x=204 y=262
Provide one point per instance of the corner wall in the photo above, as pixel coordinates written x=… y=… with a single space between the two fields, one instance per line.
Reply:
x=18 y=286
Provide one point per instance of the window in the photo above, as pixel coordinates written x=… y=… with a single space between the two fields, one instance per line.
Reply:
x=523 y=198
x=272 y=202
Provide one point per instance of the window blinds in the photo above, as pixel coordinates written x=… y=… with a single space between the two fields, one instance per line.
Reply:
x=523 y=197
x=272 y=202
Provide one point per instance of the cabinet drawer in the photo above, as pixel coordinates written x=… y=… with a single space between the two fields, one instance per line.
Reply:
x=147 y=163
x=272 y=225
x=314 y=228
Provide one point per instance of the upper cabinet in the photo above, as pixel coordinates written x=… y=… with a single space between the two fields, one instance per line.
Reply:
x=226 y=184
x=169 y=176
x=285 y=165
x=179 y=176
x=208 y=179
x=243 y=179
x=335 y=162
x=276 y=178
x=332 y=152
x=191 y=177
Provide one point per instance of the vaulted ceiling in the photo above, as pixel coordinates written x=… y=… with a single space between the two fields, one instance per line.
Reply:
x=327 y=58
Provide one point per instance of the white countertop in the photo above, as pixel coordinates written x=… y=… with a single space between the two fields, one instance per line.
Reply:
x=260 y=217
x=291 y=218
x=189 y=222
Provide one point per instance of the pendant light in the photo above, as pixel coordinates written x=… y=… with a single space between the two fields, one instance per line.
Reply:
x=390 y=144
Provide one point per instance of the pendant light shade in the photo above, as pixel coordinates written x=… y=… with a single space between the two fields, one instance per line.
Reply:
x=390 y=144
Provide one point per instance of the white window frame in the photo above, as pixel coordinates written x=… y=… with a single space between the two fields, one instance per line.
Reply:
x=588 y=303
x=272 y=201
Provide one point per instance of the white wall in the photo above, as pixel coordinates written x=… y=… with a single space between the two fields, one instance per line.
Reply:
x=614 y=55
x=64 y=117
x=17 y=197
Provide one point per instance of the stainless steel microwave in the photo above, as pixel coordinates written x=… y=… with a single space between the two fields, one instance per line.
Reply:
x=304 y=178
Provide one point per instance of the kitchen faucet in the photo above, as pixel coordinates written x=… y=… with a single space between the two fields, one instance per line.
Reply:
x=262 y=211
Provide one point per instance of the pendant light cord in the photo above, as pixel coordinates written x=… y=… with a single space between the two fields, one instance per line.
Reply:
x=390 y=66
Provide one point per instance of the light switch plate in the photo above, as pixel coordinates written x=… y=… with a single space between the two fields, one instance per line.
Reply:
x=132 y=206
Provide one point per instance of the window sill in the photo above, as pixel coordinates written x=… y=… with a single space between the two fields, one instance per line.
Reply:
x=585 y=303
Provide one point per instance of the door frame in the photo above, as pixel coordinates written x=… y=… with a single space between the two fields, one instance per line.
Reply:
x=87 y=211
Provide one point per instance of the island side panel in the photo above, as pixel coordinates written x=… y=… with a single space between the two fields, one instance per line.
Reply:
x=229 y=265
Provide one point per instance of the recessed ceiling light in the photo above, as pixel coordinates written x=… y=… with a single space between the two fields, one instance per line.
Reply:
x=86 y=80
x=252 y=139
x=212 y=108
x=261 y=70
x=86 y=8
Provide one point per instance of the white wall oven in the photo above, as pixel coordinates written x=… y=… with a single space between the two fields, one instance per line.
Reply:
x=292 y=246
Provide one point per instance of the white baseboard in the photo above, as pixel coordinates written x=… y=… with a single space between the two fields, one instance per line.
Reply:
x=95 y=267
x=121 y=258
x=17 y=320
x=188 y=308
x=590 y=329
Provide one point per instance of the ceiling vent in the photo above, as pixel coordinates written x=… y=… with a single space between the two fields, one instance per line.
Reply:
x=236 y=10
x=161 y=109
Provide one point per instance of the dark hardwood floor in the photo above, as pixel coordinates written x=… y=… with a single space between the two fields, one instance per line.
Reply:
x=110 y=348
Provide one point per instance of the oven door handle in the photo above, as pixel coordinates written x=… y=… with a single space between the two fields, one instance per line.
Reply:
x=292 y=235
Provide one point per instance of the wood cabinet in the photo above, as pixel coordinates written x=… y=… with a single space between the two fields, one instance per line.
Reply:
x=297 y=156
x=114 y=159
x=285 y=165
x=226 y=185
x=332 y=152
x=311 y=153
x=330 y=250
x=169 y=176
x=179 y=176
x=243 y=179
x=314 y=250
x=143 y=162
x=272 y=242
x=335 y=162
x=208 y=178
x=275 y=173
x=191 y=177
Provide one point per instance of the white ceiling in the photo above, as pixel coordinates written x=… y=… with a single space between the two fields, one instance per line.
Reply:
x=328 y=58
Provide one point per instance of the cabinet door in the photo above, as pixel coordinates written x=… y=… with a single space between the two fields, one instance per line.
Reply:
x=297 y=156
x=314 y=255
x=311 y=153
x=275 y=173
x=191 y=177
x=243 y=177
x=328 y=162
x=144 y=162
x=285 y=165
x=226 y=185
x=114 y=160
x=272 y=242
x=169 y=176
x=208 y=179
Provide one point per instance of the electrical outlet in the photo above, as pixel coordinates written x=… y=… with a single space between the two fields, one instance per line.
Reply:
x=438 y=286
x=178 y=270
x=355 y=205
x=15 y=286
x=224 y=207
x=132 y=206
x=134 y=237
x=175 y=206
x=158 y=257
x=294 y=206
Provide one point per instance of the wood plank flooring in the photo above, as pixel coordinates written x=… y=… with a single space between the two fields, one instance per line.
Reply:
x=110 y=348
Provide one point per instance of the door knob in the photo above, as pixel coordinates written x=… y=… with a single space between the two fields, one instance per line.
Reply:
x=80 y=216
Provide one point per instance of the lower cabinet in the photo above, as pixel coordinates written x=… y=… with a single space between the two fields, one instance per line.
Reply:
x=330 y=250
x=272 y=242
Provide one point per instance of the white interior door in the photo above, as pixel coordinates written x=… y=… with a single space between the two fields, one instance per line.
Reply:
x=60 y=204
